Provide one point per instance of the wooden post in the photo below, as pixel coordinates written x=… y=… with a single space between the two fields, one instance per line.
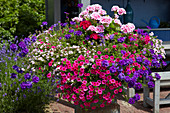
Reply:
x=130 y=92
x=145 y=94
x=156 y=96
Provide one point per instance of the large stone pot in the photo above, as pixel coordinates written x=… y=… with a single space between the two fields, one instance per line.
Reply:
x=112 y=108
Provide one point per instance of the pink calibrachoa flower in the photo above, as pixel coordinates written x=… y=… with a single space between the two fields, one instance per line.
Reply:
x=49 y=75
x=114 y=46
x=102 y=105
x=99 y=91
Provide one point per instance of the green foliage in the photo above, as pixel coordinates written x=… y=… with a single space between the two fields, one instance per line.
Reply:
x=19 y=17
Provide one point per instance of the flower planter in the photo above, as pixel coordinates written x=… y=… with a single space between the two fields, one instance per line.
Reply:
x=112 y=108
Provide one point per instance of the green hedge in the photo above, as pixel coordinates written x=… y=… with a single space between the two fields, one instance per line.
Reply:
x=20 y=17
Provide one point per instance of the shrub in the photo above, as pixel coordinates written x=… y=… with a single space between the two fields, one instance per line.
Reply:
x=21 y=90
x=20 y=17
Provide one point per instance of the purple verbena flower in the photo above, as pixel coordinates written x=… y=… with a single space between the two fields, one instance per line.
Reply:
x=123 y=52
x=87 y=37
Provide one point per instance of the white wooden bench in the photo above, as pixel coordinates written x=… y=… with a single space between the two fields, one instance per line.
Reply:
x=156 y=101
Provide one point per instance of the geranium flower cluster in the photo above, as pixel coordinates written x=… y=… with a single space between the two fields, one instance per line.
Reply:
x=94 y=55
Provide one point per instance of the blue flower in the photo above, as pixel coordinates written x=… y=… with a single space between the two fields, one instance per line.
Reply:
x=87 y=37
x=15 y=67
x=112 y=69
x=131 y=83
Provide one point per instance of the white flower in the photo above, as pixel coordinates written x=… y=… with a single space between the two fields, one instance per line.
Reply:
x=151 y=34
x=22 y=69
x=32 y=62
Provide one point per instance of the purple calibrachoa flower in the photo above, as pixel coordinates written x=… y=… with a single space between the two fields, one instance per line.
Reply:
x=105 y=63
x=121 y=39
x=151 y=84
x=87 y=37
x=121 y=76
x=13 y=47
x=44 y=23
x=22 y=45
x=72 y=22
x=80 y=5
x=136 y=97
x=123 y=52
x=34 y=38
x=112 y=37
x=138 y=86
x=131 y=101
x=71 y=30
x=35 y=79
x=13 y=75
x=67 y=36
x=157 y=76
x=27 y=76
x=139 y=59
x=78 y=33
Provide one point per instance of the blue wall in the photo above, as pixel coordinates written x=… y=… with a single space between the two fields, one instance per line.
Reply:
x=142 y=10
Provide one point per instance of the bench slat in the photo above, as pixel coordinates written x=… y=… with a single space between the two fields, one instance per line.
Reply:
x=149 y=101
x=164 y=75
x=165 y=83
x=164 y=101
